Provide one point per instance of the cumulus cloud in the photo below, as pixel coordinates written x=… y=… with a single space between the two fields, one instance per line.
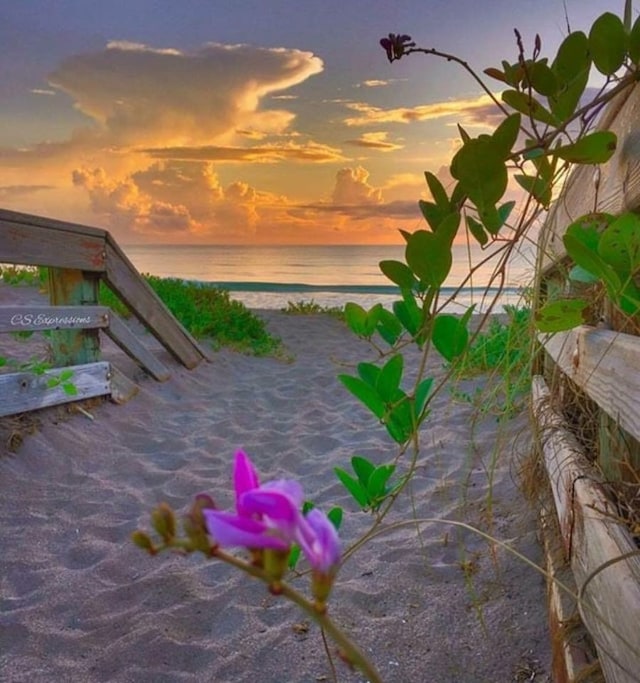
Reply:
x=481 y=106
x=143 y=95
x=352 y=187
x=378 y=140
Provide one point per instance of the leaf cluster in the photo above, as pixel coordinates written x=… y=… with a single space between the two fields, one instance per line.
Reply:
x=370 y=487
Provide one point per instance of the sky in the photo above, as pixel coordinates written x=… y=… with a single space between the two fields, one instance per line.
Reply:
x=248 y=121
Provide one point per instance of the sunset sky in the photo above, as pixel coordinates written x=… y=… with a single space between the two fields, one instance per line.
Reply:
x=246 y=121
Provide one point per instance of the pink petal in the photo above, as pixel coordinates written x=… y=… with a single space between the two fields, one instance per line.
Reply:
x=245 y=476
x=230 y=530
x=279 y=509
x=323 y=553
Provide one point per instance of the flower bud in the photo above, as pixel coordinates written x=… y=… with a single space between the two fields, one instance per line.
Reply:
x=163 y=521
x=276 y=563
x=143 y=541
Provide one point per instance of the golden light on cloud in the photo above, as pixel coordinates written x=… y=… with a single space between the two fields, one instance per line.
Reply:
x=369 y=114
x=378 y=140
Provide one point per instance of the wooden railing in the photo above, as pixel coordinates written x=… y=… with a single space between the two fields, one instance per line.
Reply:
x=77 y=258
x=594 y=374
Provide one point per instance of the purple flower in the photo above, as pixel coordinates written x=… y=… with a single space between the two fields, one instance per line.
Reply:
x=395 y=45
x=268 y=516
x=322 y=545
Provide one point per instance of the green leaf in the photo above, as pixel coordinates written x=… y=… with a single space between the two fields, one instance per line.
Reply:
x=588 y=228
x=607 y=43
x=389 y=378
x=591 y=261
x=561 y=315
x=353 y=487
x=438 y=192
x=595 y=148
x=571 y=67
x=399 y=421
x=634 y=42
x=579 y=274
x=355 y=316
x=369 y=373
x=70 y=389
x=492 y=72
x=449 y=336
x=363 y=469
x=429 y=255
x=542 y=79
x=66 y=375
x=505 y=211
x=432 y=213
x=389 y=327
x=409 y=314
x=294 y=557
x=537 y=187
x=377 y=486
x=629 y=298
x=365 y=393
x=506 y=134
x=335 y=516
x=619 y=245
x=528 y=106
x=463 y=134
x=422 y=394
x=399 y=273
x=477 y=230
x=480 y=167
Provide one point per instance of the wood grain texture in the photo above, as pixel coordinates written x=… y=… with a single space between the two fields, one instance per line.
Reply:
x=125 y=281
x=596 y=544
x=613 y=187
x=605 y=365
x=133 y=347
x=26 y=391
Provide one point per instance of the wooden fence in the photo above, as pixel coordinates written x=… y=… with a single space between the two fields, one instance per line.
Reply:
x=589 y=378
x=77 y=258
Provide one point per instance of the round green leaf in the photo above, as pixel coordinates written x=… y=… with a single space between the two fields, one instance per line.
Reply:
x=477 y=230
x=595 y=148
x=480 y=167
x=634 y=42
x=529 y=106
x=542 y=79
x=399 y=273
x=561 y=315
x=619 y=245
x=449 y=336
x=607 y=43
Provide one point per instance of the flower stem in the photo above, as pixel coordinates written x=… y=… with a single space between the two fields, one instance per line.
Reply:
x=349 y=650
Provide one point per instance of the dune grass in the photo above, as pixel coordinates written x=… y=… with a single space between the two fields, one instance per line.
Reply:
x=208 y=313
x=503 y=352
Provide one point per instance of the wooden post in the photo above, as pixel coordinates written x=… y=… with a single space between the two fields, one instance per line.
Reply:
x=74 y=287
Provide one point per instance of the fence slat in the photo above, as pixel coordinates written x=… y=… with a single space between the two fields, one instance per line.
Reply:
x=36 y=244
x=32 y=318
x=595 y=543
x=604 y=364
x=134 y=348
x=25 y=391
x=124 y=280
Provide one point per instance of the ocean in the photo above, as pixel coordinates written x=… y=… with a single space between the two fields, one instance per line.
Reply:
x=273 y=276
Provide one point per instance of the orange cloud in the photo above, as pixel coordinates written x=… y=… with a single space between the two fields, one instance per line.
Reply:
x=266 y=154
x=375 y=141
x=479 y=108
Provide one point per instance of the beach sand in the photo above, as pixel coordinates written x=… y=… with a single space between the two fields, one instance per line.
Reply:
x=427 y=602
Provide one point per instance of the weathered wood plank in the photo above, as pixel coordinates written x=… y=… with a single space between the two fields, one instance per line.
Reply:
x=75 y=288
x=596 y=544
x=51 y=223
x=42 y=245
x=122 y=388
x=605 y=365
x=612 y=187
x=24 y=391
x=125 y=281
x=32 y=318
x=134 y=348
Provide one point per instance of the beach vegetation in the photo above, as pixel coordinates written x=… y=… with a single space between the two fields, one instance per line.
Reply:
x=207 y=312
x=312 y=308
